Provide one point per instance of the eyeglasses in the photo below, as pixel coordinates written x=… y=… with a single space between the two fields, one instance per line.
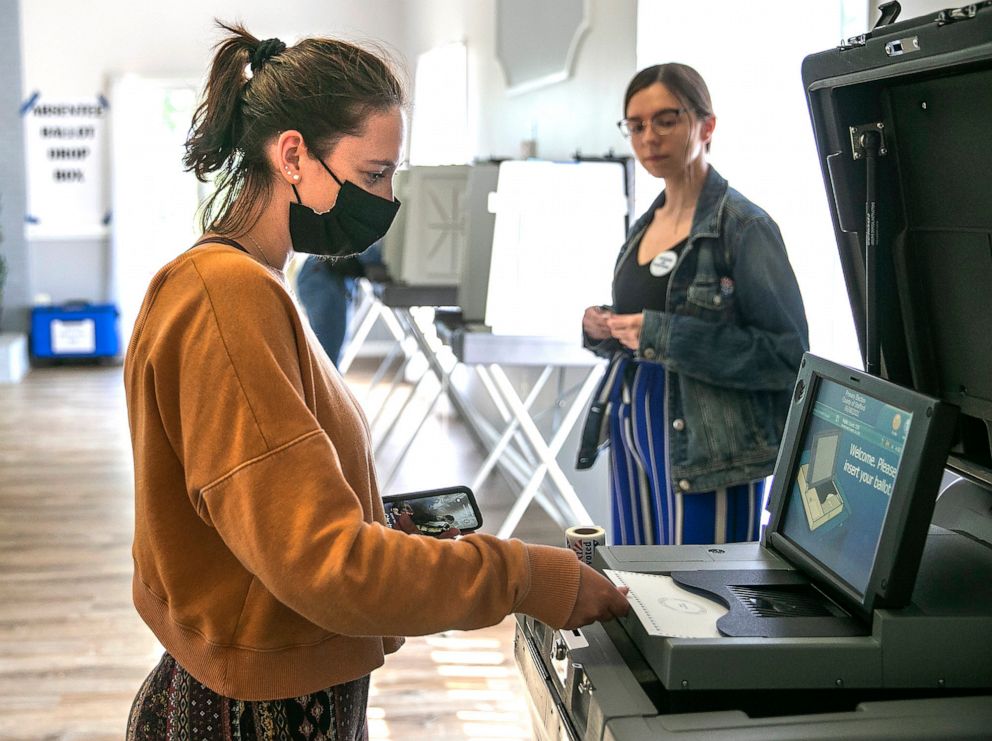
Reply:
x=662 y=123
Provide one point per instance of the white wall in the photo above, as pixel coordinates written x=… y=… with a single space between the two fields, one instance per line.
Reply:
x=577 y=114
x=70 y=48
x=13 y=291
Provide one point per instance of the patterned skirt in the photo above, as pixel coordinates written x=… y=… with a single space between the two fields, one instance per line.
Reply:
x=172 y=706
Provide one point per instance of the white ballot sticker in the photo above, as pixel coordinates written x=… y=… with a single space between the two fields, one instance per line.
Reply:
x=666 y=609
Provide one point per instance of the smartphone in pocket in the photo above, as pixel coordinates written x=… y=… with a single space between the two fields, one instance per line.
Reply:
x=436 y=513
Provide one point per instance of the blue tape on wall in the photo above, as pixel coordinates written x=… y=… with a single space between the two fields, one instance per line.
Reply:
x=30 y=103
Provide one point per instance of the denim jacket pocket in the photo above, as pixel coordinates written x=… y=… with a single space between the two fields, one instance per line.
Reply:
x=727 y=428
x=706 y=296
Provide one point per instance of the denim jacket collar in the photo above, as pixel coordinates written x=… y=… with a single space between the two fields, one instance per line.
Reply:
x=706 y=222
x=709 y=208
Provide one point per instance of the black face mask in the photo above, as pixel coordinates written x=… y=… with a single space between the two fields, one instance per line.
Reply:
x=357 y=220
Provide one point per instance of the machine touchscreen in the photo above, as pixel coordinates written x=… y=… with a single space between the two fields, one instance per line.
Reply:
x=855 y=483
x=849 y=459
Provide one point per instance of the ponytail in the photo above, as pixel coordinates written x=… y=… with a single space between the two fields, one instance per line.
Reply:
x=214 y=134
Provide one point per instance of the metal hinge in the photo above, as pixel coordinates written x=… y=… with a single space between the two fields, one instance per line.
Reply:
x=888 y=12
x=854 y=42
x=857 y=144
x=952 y=15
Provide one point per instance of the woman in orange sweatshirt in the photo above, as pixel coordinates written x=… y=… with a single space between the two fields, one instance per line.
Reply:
x=262 y=562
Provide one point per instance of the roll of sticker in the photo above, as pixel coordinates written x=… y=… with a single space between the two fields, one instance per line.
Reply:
x=583 y=539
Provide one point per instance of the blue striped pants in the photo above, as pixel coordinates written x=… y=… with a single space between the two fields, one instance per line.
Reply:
x=646 y=508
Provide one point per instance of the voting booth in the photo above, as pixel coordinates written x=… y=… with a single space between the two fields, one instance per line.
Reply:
x=548 y=251
x=866 y=609
x=443 y=229
x=558 y=229
x=522 y=246
x=507 y=255
x=473 y=281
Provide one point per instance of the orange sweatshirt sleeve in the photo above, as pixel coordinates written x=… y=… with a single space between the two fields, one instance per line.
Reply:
x=238 y=410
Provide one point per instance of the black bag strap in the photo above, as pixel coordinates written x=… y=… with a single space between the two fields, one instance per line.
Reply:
x=595 y=430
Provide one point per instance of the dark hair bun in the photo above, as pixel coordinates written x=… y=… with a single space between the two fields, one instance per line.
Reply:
x=265 y=51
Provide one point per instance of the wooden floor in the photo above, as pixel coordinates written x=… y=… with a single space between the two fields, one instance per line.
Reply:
x=72 y=649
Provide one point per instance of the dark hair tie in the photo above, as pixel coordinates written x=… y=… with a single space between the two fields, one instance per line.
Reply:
x=264 y=52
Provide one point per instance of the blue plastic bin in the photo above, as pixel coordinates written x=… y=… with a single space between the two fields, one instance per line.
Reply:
x=76 y=330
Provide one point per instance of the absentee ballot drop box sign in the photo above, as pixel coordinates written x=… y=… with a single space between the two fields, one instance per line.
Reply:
x=67 y=191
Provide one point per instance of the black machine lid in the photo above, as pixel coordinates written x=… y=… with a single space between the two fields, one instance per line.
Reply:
x=903 y=120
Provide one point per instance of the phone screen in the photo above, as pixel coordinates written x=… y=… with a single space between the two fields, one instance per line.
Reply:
x=438 y=513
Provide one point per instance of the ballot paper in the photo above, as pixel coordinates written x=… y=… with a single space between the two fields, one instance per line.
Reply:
x=666 y=609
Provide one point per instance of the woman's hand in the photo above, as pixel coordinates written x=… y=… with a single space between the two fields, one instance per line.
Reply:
x=599 y=600
x=626 y=328
x=594 y=323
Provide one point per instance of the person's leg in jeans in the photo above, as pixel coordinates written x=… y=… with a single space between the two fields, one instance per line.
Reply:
x=326 y=297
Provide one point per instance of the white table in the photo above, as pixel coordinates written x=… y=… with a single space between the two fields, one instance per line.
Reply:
x=490 y=355
x=518 y=448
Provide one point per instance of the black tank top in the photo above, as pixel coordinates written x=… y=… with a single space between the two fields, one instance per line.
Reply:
x=221 y=240
x=639 y=287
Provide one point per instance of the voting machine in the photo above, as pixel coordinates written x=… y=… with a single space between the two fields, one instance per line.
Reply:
x=866 y=610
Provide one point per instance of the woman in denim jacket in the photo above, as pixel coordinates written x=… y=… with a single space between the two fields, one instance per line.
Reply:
x=705 y=336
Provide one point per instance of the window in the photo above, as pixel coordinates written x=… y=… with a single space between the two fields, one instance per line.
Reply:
x=439 y=132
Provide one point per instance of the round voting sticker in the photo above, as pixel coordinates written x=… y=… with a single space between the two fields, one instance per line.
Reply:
x=662 y=264
x=681 y=605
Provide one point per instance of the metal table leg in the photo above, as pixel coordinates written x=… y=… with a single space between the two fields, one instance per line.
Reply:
x=547 y=453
